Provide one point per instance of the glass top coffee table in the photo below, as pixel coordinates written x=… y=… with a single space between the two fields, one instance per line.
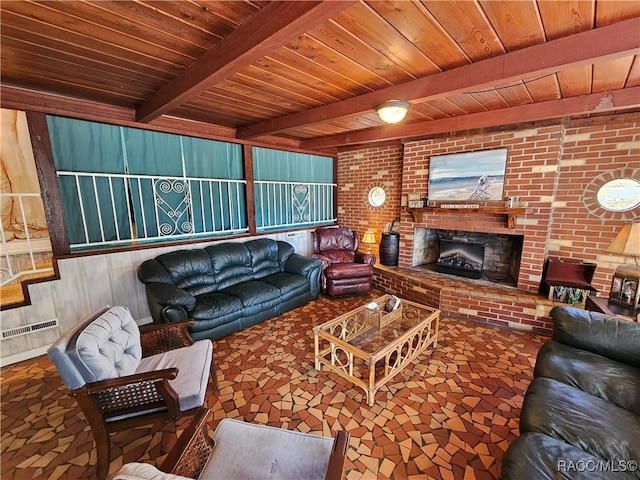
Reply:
x=368 y=347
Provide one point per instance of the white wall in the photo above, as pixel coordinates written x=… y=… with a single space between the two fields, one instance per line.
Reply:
x=88 y=283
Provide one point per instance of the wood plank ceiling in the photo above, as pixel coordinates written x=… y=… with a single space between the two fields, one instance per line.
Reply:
x=312 y=72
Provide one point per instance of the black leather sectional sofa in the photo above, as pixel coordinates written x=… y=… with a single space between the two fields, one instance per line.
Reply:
x=229 y=286
x=580 y=417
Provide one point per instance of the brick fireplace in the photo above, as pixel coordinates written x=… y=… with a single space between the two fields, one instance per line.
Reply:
x=533 y=165
x=556 y=169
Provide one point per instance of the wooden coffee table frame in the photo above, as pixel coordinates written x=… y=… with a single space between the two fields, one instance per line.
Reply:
x=333 y=350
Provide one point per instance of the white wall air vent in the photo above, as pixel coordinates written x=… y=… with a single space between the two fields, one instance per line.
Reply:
x=26 y=329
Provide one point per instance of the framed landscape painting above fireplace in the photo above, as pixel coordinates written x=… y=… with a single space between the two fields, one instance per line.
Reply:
x=467 y=177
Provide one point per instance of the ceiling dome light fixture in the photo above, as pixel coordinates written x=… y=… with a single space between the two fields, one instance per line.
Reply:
x=392 y=111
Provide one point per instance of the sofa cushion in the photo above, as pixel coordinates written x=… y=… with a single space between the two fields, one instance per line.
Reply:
x=253 y=292
x=217 y=305
x=231 y=263
x=600 y=376
x=535 y=456
x=609 y=336
x=190 y=270
x=61 y=352
x=143 y=471
x=109 y=346
x=264 y=257
x=328 y=239
x=251 y=451
x=592 y=424
x=348 y=270
x=193 y=377
x=289 y=284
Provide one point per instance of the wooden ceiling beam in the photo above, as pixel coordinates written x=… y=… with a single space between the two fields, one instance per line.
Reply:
x=270 y=28
x=615 y=100
x=18 y=98
x=605 y=43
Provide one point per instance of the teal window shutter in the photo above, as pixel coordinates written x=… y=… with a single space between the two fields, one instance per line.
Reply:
x=292 y=189
x=121 y=184
x=91 y=202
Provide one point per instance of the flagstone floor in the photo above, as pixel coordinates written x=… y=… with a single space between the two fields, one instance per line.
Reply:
x=450 y=415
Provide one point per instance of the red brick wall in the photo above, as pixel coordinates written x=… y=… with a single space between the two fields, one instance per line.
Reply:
x=581 y=229
x=359 y=171
x=556 y=169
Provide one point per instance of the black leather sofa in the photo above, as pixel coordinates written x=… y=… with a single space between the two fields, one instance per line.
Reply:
x=580 y=417
x=229 y=286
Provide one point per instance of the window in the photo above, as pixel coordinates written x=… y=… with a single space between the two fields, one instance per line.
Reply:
x=619 y=195
x=122 y=185
x=292 y=189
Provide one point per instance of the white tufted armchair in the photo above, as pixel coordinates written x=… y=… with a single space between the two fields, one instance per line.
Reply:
x=123 y=376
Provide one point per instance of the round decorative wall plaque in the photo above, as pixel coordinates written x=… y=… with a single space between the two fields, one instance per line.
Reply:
x=377 y=196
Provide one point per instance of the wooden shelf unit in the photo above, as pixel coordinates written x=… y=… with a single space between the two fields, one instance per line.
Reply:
x=602 y=305
x=510 y=213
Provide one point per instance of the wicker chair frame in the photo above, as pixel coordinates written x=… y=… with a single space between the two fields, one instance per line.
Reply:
x=191 y=452
x=144 y=397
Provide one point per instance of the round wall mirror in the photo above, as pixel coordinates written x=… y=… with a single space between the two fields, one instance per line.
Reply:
x=619 y=195
x=377 y=196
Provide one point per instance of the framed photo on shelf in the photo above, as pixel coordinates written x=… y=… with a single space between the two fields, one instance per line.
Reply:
x=625 y=287
x=616 y=286
x=628 y=294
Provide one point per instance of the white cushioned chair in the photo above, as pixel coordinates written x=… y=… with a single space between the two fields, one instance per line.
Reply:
x=123 y=376
x=245 y=451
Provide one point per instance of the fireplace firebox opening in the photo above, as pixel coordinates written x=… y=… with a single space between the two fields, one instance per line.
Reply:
x=484 y=256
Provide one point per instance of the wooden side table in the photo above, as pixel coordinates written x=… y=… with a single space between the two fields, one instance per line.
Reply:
x=602 y=305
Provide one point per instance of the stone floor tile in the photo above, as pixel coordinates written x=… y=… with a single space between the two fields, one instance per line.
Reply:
x=450 y=414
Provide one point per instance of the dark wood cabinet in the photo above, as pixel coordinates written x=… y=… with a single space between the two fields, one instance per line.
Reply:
x=602 y=305
x=566 y=281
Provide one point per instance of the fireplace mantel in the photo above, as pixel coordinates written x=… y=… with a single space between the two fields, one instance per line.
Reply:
x=510 y=213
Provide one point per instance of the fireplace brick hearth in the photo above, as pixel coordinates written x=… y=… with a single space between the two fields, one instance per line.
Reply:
x=468 y=299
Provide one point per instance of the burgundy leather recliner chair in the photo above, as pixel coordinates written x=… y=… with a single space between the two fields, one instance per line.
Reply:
x=345 y=270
